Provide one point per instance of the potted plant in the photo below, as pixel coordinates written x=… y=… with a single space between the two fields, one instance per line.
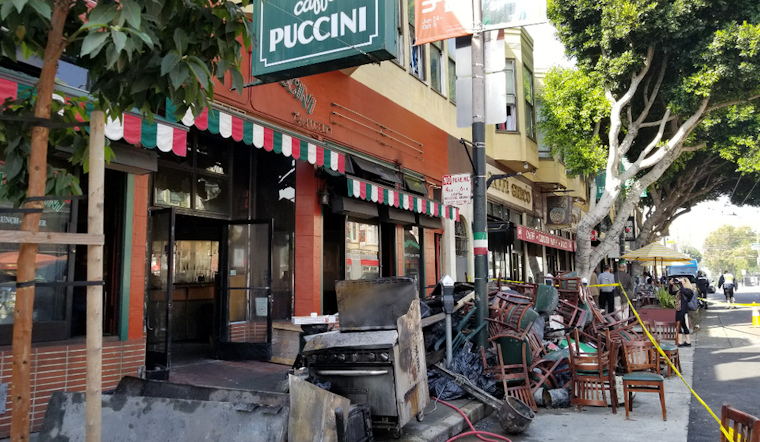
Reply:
x=665 y=311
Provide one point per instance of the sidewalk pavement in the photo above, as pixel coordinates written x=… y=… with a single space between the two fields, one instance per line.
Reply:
x=727 y=365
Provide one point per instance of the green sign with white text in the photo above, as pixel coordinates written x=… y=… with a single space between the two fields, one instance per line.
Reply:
x=306 y=37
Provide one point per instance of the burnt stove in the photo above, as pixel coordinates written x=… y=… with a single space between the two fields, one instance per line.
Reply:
x=380 y=361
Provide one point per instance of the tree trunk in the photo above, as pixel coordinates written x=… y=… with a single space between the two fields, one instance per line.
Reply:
x=22 y=315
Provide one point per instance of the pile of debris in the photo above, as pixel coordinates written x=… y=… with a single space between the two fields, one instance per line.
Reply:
x=528 y=355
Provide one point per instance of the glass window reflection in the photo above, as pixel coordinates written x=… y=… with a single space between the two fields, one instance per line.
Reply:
x=362 y=250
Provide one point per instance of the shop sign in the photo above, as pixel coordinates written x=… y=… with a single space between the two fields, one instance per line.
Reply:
x=442 y=19
x=457 y=189
x=546 y=239
x=630 y=229
x=510 y=189
x=306 y=37
x=558 y=210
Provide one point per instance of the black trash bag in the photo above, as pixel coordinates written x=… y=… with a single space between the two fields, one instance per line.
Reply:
x=425 y=310
x=562 y=377
x=465 y=363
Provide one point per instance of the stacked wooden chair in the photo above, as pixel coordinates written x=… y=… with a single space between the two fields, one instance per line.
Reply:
x=642 y=366
x=593 y=373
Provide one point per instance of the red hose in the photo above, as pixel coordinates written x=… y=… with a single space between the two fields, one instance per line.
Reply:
x=479 y=434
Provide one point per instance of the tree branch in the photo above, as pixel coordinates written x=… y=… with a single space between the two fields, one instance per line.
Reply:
x=656 y=123
x=731 y=103
x=649 y=100
x=693 y=148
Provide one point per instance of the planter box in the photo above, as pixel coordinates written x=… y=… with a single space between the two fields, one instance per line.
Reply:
x=648 y=313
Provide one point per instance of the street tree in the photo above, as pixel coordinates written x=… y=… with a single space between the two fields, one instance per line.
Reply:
x=693 y=252
x=728 y=248
x=664 y=68
x=139 y=53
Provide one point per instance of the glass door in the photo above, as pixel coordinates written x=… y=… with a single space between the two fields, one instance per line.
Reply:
x=246 y=304
x=159 y=302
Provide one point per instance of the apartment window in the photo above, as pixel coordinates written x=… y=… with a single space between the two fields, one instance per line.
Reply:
x=436 y=66
x=511 y=124
x=530 y=114
x=400 y=34
x=417 y=58
x=452 y=68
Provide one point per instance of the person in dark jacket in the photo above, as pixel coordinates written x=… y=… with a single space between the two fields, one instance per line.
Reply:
x=683 y=296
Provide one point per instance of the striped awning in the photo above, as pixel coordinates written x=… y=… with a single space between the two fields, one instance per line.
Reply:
x=239 y=128
x=132 y=127
x=367 y=191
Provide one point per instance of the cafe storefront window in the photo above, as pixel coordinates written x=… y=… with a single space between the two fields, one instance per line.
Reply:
x=362 y=250
x=51 y=266
x=413 y=263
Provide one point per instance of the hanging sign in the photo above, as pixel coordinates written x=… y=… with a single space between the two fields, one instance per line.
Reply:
x=538 y=237
x=437 y=20
x=558 y=210
x=457 y=189
x=306 y=37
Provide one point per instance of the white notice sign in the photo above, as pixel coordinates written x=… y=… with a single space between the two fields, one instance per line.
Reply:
x=457 y=190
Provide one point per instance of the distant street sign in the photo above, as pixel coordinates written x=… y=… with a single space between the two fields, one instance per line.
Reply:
x=755 y=246
x=457 y=190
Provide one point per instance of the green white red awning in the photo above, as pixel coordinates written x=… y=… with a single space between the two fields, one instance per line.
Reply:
x=393 y=198
x=131 y=127
x=250 y=132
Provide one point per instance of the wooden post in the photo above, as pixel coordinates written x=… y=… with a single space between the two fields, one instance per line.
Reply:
x=95 y=273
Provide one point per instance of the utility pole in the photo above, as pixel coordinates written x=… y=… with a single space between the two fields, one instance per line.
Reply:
x=479 y=188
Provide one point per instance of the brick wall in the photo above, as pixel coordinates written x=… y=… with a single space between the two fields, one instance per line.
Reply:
x=63 y=368
x=308 y=240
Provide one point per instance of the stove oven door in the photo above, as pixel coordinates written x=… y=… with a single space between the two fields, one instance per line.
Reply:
x=367 y=384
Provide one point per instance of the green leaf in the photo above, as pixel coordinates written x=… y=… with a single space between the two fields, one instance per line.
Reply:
x=119 y=40
x=102 y=14
x=180 y=40
x=169 y=62
x=41 y=7
x=200 y=70
x=143 y=36
x=94 y=40
x=6 y=9
x=111 y=56
x=131 y=10
x=13 y=164
x=178 y=75
x=19 y=4
x=237 y=79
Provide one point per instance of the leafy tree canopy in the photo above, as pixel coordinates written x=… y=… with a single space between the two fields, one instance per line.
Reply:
x=693 y=252
x=138 y=53
x=728 y=248
x=665 y=66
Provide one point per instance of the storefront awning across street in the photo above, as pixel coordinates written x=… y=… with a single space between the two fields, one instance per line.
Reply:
x=367 y=191
x=538 y=237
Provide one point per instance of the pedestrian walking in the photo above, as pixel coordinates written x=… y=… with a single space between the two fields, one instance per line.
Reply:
x=624 y=290
x=683 y=297
x=729 y=284
x=607 y=292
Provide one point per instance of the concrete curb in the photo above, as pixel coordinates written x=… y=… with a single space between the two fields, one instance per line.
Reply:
x=442 y=424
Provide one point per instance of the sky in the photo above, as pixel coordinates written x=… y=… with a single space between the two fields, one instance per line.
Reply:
x=692 y=229
x=688 y=230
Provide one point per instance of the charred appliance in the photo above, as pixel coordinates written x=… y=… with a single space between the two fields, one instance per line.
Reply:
x=378 y=356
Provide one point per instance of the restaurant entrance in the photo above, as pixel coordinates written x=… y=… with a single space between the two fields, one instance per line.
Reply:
x=207 y=279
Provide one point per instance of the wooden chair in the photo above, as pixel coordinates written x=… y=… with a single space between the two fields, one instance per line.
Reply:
x=593 y=375
x=514 y=376
x=740 y=425
x=642 y=365
x=668 y=331
x=543 y=364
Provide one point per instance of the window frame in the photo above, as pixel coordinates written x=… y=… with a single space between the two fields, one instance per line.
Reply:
x=436 y=52
x=530 y=103
x=513 y=105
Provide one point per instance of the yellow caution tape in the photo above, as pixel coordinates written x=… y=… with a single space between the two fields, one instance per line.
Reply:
x=506 y=280
x=754 y=304
x=728 y=434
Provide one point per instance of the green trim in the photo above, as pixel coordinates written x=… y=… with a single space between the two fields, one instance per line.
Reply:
x=126 y=260
x=480 y=235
